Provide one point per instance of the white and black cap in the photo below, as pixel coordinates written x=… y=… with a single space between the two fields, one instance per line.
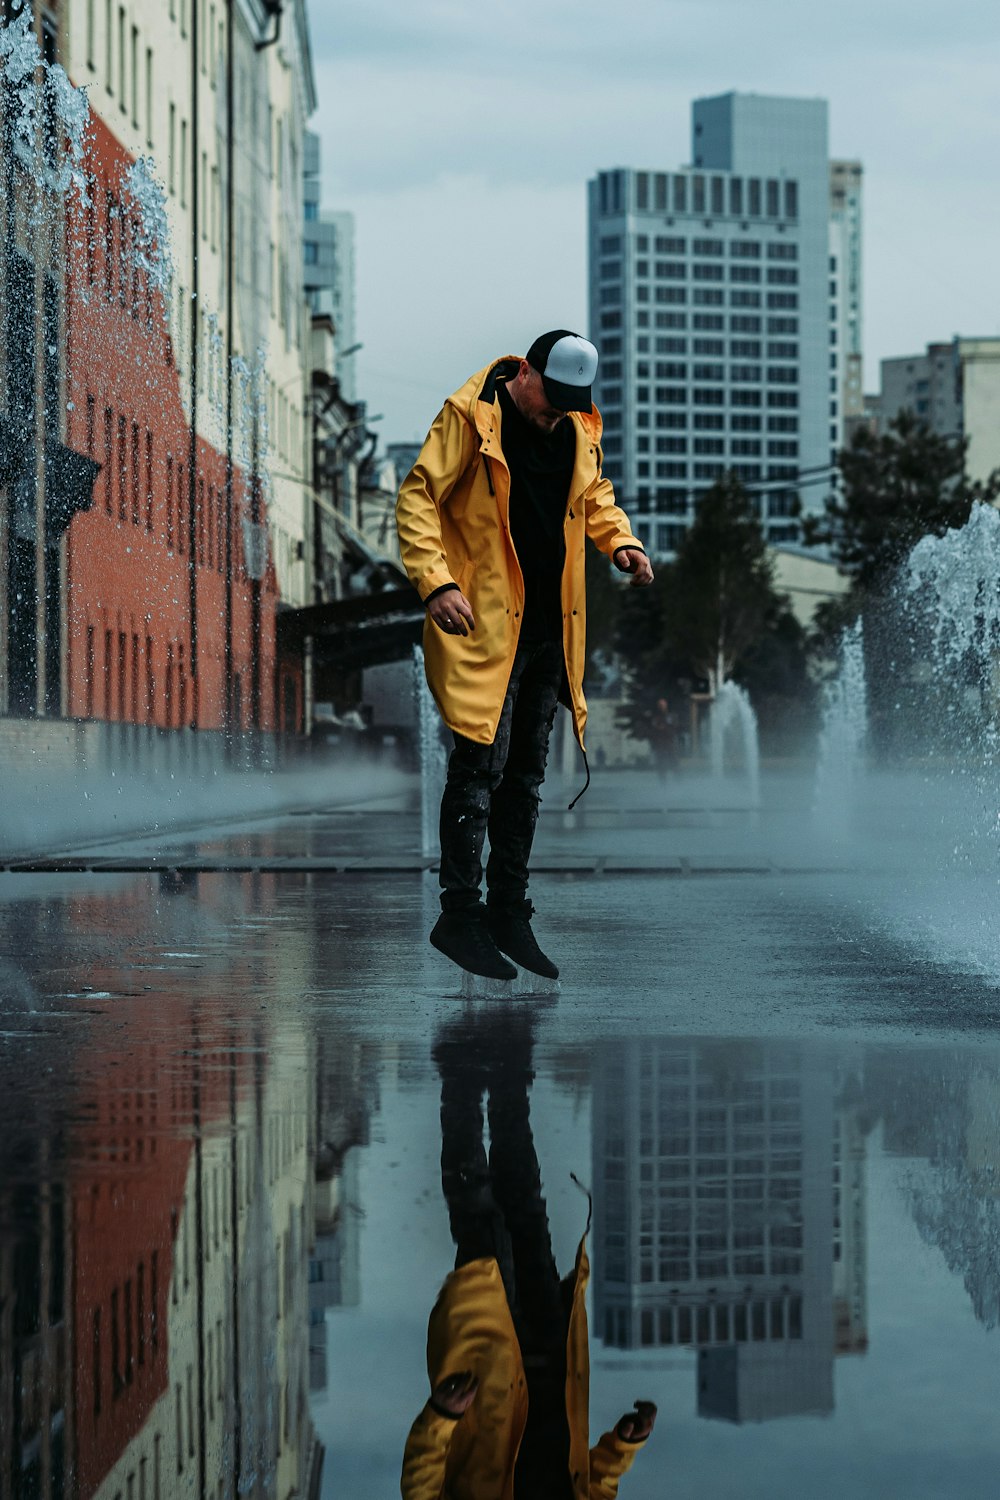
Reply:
x=567 y=364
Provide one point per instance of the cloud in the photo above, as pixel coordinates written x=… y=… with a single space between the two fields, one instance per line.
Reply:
x=461 y=142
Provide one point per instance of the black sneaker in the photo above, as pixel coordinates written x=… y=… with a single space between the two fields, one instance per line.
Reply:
x=510 y=927
x=463 y=937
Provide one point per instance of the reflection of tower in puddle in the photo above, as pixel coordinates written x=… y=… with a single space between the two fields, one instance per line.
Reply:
x=850 y=1230
x=947 y=1123
x=714 y=1219
x=345 y=1098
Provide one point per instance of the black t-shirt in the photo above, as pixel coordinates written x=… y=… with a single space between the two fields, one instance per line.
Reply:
x=541 y=468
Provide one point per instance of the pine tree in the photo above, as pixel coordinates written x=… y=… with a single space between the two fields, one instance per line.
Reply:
x=896 y=488
x=714 y=613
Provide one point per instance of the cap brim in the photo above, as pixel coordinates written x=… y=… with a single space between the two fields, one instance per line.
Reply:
x=567 y=397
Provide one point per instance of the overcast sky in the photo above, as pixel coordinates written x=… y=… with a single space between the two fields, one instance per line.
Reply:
x=462 y=140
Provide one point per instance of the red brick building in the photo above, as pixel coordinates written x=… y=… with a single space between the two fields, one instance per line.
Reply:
x=147 y=589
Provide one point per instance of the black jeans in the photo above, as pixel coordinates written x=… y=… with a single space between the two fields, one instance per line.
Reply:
x=494 y=788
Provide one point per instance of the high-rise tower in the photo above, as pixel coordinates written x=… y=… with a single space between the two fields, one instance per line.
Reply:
x=717 y=314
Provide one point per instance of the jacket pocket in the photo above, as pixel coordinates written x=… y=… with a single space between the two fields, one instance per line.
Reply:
x=465 y=575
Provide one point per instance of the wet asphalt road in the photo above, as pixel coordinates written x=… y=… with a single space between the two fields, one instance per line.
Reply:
x=222 y=1226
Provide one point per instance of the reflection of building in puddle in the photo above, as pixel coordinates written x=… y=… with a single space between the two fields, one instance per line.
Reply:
x=346 y=1095
x=953 y=1181
x=850 y=1226
x=729 y=1218
x=154 y=1258
x=192 y=1324
x=36 y=1272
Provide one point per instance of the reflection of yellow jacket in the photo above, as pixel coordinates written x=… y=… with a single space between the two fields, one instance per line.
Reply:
x=473 y=1458
x=453 y=519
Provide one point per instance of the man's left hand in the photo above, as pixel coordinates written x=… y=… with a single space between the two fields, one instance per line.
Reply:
x=632 y=560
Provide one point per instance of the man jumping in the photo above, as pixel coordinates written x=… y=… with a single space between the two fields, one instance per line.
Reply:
x=492 y=520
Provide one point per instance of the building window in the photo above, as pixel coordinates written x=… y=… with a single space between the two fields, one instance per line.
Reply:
x=709 y=272
x=782 y=299
x=744 y=273
x=772 y=199
x=135 y=474
x=782 y=276
x=122 y=468
x=744 y=299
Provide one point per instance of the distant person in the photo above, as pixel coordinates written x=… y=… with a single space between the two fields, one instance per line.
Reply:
x=662 y=734
x=492 y=522
x=507 y=1345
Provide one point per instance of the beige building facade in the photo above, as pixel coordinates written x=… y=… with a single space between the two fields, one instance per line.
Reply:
x=954 y=388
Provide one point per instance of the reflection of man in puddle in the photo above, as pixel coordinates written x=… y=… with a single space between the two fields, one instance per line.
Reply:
x=507 y=1348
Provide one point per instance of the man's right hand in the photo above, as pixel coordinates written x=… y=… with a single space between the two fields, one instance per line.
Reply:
x=635 y=1426
x=455 y=1394
x=452 y=612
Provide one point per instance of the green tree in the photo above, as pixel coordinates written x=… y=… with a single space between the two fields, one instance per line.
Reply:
x=896 y=487
x=714 y=613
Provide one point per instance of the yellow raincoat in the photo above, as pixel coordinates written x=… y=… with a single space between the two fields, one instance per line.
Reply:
x=473 y=1458
x=453 y=517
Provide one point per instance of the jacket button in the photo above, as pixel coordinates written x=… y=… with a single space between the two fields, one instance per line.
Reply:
x=574 y=611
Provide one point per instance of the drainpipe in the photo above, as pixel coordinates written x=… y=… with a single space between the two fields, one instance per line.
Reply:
x=227 y=685
x=193 y=388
